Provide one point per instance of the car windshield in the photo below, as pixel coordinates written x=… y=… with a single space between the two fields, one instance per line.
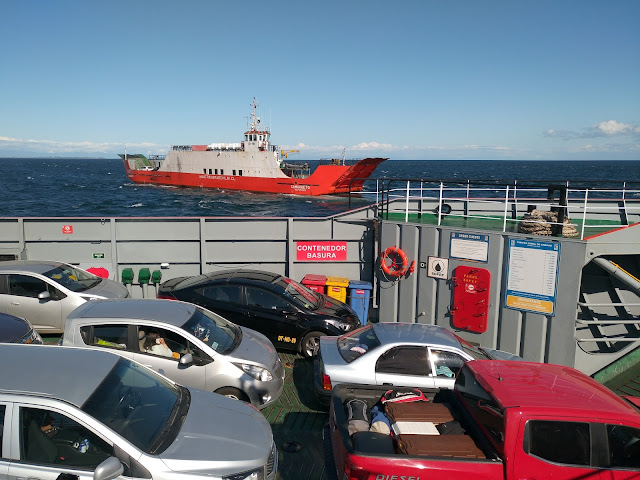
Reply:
x=357 y=343
x=73 y=279
x=472 y=350
x=138 y=404
x=299 y=293
x=220 y=334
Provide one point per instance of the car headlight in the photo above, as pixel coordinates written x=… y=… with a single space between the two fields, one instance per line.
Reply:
x=31 y=337
x=256 y=474
x=345 y=327
x=256 y=372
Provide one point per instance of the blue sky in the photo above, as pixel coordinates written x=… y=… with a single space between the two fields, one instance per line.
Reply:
x=557 y=79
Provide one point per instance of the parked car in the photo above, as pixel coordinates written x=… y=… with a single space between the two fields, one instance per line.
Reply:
x=190 y=345
x=288 y=313
x=45 y=292
x=397 y=354
x=17 y=330
x=81 y=414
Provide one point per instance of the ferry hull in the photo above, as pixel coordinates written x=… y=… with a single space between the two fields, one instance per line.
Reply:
x=325 y=180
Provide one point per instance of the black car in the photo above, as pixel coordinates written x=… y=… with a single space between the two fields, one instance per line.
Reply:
x=17 y=330
x=288 y=313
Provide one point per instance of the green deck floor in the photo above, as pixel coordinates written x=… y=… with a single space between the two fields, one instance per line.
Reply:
x=496 y=224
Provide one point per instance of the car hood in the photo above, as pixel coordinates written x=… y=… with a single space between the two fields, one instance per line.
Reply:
x=107 y=289
x=501 y=354
x=335 y=308
x=219 y=435
x=255 y=348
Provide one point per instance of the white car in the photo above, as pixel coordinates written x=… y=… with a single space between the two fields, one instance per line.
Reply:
x=80 y=414
x=45 y=292
x=395 y=354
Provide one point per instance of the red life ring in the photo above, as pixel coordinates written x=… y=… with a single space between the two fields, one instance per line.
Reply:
x=399 y=264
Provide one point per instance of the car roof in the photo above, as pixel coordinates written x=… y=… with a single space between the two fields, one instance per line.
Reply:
x=33 y=266
x=66 y=373
x=255 y=275
x=415 y=333
x=172 y=312
x=543 y=385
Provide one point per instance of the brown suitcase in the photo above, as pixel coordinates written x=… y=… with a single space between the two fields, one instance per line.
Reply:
x=439 y=446
x=418 y=412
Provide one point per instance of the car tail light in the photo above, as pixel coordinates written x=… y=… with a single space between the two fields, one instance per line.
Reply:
x=354 y=472
x=326 y=382
x=166 y=296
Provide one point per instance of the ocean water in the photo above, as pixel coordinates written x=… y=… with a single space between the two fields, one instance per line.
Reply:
x=53 y=187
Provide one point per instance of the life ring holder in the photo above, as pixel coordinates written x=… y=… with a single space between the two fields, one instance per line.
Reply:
x=399 y=265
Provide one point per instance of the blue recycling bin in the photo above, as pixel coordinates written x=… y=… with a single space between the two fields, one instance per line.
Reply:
x=359 y=294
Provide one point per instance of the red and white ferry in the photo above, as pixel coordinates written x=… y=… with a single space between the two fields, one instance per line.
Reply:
x=253 y=165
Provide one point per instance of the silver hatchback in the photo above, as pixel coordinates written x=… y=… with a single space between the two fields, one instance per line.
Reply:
x=45 y=292
x=81 y=414
x=188 y=344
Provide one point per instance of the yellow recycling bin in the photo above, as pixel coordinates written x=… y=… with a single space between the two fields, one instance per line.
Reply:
x=337 y=288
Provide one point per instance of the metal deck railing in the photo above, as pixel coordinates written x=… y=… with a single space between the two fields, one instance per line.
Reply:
x=508 y=205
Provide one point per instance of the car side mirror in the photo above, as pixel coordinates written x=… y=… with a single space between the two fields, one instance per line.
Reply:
x=44 y=296
x=108 y=469
x=186 y=359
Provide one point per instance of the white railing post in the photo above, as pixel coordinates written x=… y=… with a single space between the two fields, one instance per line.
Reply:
x=506 y=209
x=440 y=204
x=406 y=213
x=584 y=213
x=421 y=199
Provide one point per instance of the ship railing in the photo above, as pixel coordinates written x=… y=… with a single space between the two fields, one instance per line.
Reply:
x=577 y=206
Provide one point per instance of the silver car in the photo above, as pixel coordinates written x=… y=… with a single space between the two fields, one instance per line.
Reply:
x=395 y=354
x=189 y=344
x=46 y=292
x=80 y=414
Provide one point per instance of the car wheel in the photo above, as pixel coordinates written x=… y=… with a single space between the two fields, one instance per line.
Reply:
x=310 y=344
x=234 y=393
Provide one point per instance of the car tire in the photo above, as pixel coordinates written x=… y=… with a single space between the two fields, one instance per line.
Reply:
x=310 y=344
x=231 y=392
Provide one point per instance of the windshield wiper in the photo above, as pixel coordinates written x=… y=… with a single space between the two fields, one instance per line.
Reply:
x=174 y=422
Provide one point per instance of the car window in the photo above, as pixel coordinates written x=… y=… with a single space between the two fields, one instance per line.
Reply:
x=624 y=446
x=257 y=297
x=138 y=404
x=568 y=443
x=300 y=294
x=109 y=336
x=354 y=344
x=405 y=360
x=72 y=278
x=446 y=364
x=49 y=437
x=221 y=293
x=26 y=286
x=161 y=342
x=218 y=333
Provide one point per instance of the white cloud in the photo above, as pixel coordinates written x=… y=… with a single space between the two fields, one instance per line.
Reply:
x=53 y=147
x=609 y=128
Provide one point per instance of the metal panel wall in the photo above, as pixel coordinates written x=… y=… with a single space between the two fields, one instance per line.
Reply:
x=422 y=299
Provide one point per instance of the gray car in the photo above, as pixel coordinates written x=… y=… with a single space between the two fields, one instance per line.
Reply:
x=45 y=292
x=189 y=344
x=395 y=354
x=80 y=414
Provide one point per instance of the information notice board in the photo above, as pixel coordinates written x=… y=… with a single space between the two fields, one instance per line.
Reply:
x=532 y=276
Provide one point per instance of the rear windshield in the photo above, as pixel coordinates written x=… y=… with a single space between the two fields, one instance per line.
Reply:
x=138 y=404
x=357 y=343
x=220 y=334
x=482 y=406
x=72 y=278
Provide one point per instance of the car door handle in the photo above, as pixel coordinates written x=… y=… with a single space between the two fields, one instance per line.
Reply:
x=15 y=303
